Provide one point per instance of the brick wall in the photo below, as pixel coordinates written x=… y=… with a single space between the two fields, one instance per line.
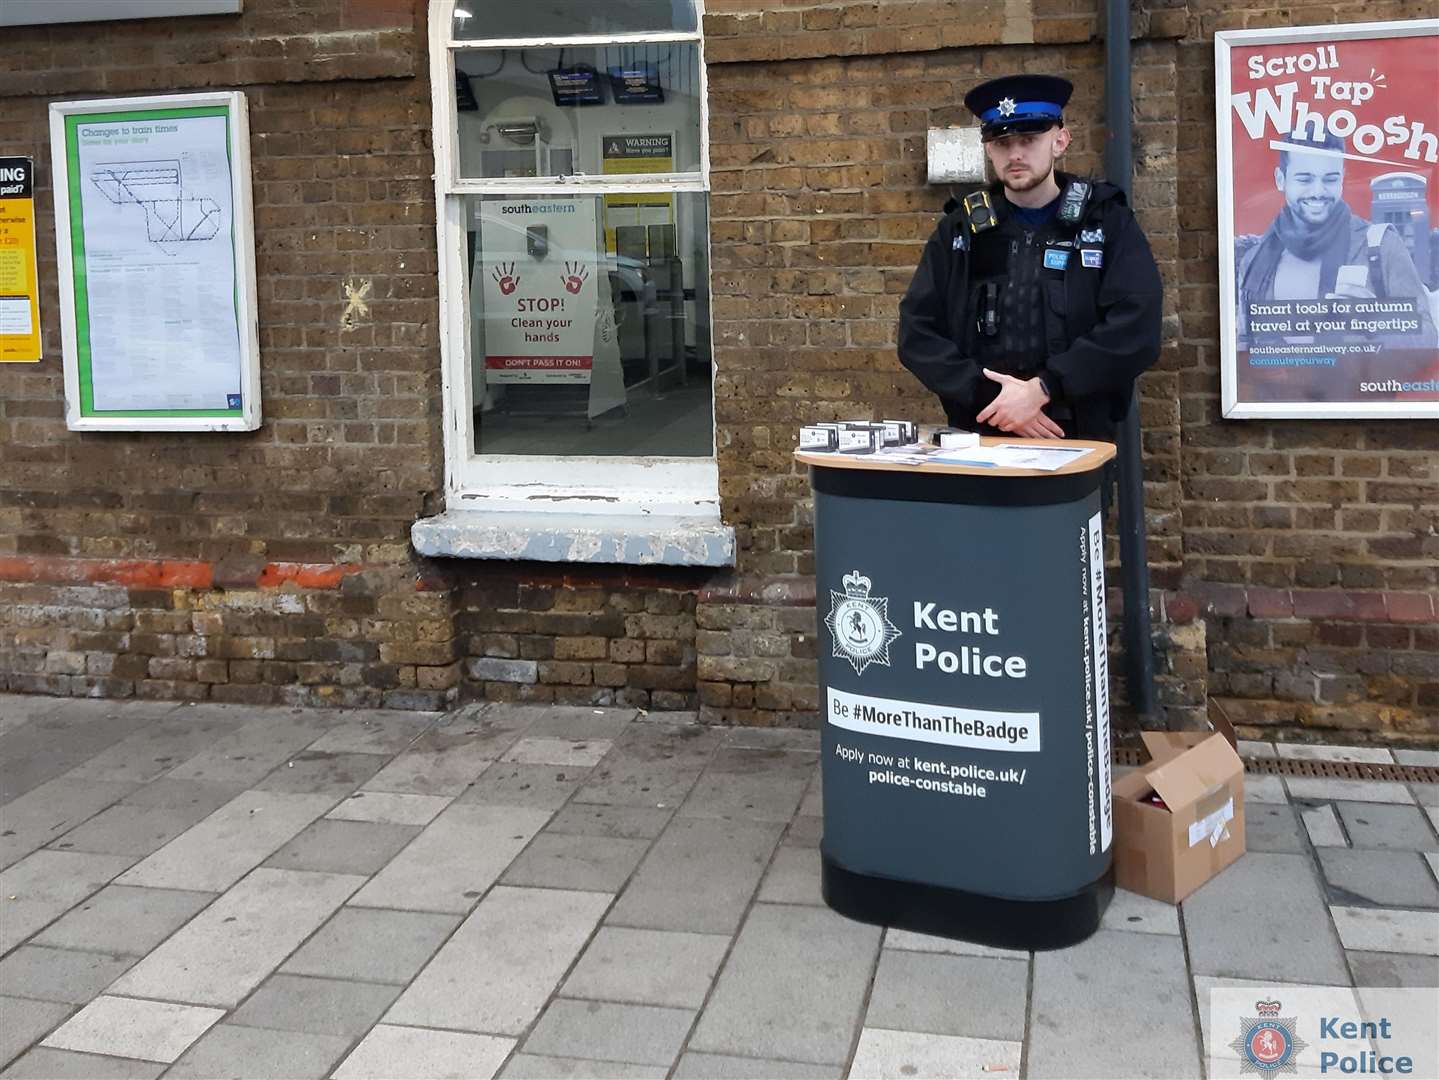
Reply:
x=1293 y=564
x=166 y=564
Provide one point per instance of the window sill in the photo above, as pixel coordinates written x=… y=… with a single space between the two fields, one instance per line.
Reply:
x=631 y=539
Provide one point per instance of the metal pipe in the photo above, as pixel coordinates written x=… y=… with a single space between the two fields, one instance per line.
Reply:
x=1133 y=544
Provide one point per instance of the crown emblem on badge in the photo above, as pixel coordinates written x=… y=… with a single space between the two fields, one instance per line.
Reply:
x=859 y=626
x=1267 y=1008
x=1006 y=106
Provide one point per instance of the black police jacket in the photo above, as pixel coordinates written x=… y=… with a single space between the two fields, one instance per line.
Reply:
x=1101 y=324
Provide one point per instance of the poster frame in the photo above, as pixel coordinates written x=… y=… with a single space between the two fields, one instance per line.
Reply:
x=77 y=416
x=1232 y=407
x=31 y=255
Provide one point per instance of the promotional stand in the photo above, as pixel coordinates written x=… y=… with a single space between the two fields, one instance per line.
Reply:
x=964 y=675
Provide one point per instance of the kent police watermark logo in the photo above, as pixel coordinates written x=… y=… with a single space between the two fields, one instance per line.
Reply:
x=1267 y=1043
x=859 y=626
x=1091 y=236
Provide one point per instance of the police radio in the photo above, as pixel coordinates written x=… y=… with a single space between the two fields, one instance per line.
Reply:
x=979 y=211
x=1074 y=201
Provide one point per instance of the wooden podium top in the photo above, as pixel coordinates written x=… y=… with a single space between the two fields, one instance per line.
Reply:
x=1103 y=452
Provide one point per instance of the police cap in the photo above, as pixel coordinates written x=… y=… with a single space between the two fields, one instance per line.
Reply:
x=1018 y=103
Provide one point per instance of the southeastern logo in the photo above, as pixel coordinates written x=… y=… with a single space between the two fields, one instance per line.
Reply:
x=1267 y=1043
x=859 y=626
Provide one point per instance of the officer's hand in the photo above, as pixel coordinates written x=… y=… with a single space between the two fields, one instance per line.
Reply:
x=1018 y=407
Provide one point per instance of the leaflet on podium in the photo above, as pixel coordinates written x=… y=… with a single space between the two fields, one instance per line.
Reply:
x=1014 y=456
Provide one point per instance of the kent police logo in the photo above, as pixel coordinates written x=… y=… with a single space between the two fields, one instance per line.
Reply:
x=859 y=626
x=1267 y=1043
x=1006 y=106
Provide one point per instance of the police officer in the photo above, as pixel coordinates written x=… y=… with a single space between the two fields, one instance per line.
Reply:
x=1037 y=302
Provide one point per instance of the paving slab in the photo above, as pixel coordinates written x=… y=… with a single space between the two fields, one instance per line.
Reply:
x=372 y=945
x=44 y=885
x=696 y=1066
x=124 y=921
x=390 y=808
x=1322 y=825
x=648 y=967
x=132 y=1028
x=155 y=749
x=443 y=761
x=388 y=1052
x=266 y=739
x=1139 y=914
x=1382 y=930
x=1076 y=1030
x=907 y=1055
x=621 y=822
x=457 y=857
x=699 y=876
x=580 y=753
x=50 y=745
x=1264 y=789
x=226 y=1052
x=973 y=996
x=1429 y=758
x=587 y=863
x=535 y=1067
x=32 y=971
x=757 y=738
x=1393 y=969
x=652 y=765
x=793 y=877
x=576 y=722
x=793 y=987
x=812 y=805
x=1250 y=748
x=1427 y=795
x=1264 y=917
x=1387 y=878
x=125 y=829
x=1375 y=791
x=538 y=787
x=17 y=709
x=43 y=1063
x=804 y=831
x=44 y=814
x=23 y=1021
x=183 y=793
x=643 y=1034
x=317 y=1006
x=498 y=969
x=228 y=949
x=374 y=731
x=318 y=772
x=224 y=847
x=1271 y=827
x=908 y=939
x=763 y=785
x=1371 y=825
x=1376 y=755
x=343 y=847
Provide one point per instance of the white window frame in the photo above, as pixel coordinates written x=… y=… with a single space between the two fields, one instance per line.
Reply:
x=682 y=486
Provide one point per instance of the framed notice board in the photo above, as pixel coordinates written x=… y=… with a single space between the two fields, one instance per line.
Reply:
x=155 y=236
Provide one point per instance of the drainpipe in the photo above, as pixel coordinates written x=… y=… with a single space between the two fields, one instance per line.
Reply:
x=1133 y=545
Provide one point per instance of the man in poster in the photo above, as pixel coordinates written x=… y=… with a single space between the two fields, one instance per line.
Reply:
x=1317 y=249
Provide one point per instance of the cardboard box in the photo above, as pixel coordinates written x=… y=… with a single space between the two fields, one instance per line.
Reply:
x=1167 y=852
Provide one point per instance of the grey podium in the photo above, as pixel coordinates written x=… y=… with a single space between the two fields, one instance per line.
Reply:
x=963 y=676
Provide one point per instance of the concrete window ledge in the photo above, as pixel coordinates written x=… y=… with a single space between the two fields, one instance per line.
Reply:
x=633 y=539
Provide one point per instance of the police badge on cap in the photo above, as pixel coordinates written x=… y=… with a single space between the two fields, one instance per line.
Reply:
x=1018 y=103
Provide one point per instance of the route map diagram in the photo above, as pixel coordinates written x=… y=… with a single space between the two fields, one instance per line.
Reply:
x=158 y=188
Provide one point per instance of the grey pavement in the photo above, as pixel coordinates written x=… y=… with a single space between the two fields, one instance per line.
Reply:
x=223 y=891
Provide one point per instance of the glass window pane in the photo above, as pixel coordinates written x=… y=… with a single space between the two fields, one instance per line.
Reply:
x=589 y=324
x=478 y=19
x=607 y=111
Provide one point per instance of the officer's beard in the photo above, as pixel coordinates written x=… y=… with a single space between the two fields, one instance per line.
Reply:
x=1025 y=181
